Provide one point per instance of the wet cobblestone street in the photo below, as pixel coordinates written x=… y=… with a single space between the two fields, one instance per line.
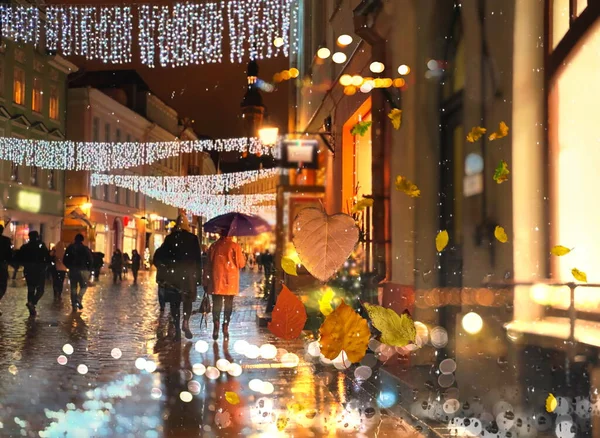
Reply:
x=114 y=370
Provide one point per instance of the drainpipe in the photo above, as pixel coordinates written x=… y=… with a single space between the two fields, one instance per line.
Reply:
x=365 y=17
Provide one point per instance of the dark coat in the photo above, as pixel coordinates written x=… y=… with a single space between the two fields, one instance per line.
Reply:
x=78 y=257
x=136 y=261
x=6 y=253
x=34 y=257
x=116 y=262
x=183 y=258
x=160 y=261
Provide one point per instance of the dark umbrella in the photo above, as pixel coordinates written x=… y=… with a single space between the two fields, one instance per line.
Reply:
x=237 y=224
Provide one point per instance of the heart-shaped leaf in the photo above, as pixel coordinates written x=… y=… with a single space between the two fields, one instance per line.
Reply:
x=288 y=317
x=324 y=242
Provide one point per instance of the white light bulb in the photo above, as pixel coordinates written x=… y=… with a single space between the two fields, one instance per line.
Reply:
x=339 y=57
x=404 y=69
x=377 y=67
x=344 y=40
x=323 y=53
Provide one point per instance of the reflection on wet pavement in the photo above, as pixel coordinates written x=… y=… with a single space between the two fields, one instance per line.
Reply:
x=114 y=370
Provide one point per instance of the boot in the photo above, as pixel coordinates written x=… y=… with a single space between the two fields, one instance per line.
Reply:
x=216 y=330
x=226 y=331
x=186 y=329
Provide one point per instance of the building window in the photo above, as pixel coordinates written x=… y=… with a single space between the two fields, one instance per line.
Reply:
x=37 y=95
x=14 y=172
x=54 y=112
x=107 y=132
x=19 y=86
x=128 y=138
x=96 y=129
x=118 y=135
x=51 y=182
x=2 y=77
x=34 y=176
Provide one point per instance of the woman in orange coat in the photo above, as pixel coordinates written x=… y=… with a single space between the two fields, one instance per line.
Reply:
x=225 y=258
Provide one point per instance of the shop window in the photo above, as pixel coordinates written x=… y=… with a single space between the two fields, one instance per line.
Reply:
x=54 y=111
x=19 y=86
x=96 y=129
x=37 y=95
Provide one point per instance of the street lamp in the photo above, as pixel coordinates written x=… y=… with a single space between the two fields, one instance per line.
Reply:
x=268 y=135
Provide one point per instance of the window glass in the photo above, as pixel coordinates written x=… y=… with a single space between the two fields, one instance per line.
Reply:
x=19 y=86
x=54 y=111
x=560 y=20
x=37 y=95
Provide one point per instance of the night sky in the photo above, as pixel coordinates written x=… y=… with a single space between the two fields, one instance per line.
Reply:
x=209 y=94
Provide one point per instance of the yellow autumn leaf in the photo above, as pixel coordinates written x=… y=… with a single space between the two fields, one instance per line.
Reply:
x=500 y=133
x=295 y=407
x=232 y=398
x=406 y=186
x=346 y=330
x=500 y=234
x=501 y=172
x=289 y=266
x=395 y=116
x=551 y=403
x=282 y=422
x=475 y=134
x=579 y=275
x=325 y=302
x=559 y=250
x=362 y=204
x=396 y=330
x=441 y=240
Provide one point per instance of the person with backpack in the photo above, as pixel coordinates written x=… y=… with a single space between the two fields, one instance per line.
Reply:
x=78 y=259
x=35 y=259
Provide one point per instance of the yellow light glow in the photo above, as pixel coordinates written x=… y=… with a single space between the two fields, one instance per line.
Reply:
x=387 y=83
x=378 y=83
x=285 y=75
x=153 y=216
x=399 y=83
x=377 y=67
x=357 y=80
x=86 y=206
x=339 y=57
x=344 y=40
x=404 y=69
x=472 y=323
x=29 y=201
x=268 y=135
x=346 y=80
x=294 y=72
x=278 y=42
x=323 y=53
x=350 y=91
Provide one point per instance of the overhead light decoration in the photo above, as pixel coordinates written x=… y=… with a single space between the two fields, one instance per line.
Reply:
x=344 y=40
x=339 y=57
x=404 y=69
x=179 y=34
x=357 y=80
x=377 y=67
x=323 y=53
x=345 y=80
x=102 y=157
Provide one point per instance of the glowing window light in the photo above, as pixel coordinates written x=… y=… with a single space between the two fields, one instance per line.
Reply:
x=345 y=80
x=377 y=67
x=472 y=323
x=357 y=80
x=344 y=40
x=323 y=53
x=404 y=69
x=339 y=57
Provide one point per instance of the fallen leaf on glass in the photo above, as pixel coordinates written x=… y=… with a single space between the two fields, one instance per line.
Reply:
x=441 y=240
x=406 y=186
x=396 y=330
x=325 y=302
x=282 y=422
x=559 y=250
x=475 y=134
x=295 y=407
x=289 y=266
x=551 y=403
x=501 y=172
x=324 y=242
x=361 y=128
x=288 y=317
x=579 y=275
x=395 y=116
x=362 y=204
x=500 y=133
x=232 y=398
x=500 y=234
x=344 y=329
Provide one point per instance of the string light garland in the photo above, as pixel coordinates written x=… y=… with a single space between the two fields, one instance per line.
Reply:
x=103 y=157
x=178 y=35
x=194 y=184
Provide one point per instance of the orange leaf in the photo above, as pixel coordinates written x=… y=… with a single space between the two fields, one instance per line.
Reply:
x=344 y=329
x=289 y=316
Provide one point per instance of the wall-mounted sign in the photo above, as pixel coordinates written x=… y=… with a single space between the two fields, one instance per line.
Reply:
x=300 y=153
x=29 y=201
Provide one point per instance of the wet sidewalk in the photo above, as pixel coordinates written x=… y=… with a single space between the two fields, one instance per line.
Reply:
x=113 y=370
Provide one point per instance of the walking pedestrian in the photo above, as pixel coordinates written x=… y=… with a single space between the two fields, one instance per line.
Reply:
x=182 y=252
x=116 y=265
x=35 y=258
x=159 y=262
x=15 y=263
x=136 y=262
x=5 y=259
x=226 y=259
x=126 y=263
x=78 y=259
x=58 y=268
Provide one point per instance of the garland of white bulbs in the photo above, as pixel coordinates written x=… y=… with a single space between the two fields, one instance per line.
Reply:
x=196 y=185
x=103 y=157
x=183 y=33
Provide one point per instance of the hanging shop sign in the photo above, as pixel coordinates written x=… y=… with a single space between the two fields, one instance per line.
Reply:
x=300 y=153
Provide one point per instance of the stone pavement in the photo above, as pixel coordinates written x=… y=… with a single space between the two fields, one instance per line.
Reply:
x=113 y=370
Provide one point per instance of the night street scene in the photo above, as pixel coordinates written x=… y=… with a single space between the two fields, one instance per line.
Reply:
x=299 y=218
